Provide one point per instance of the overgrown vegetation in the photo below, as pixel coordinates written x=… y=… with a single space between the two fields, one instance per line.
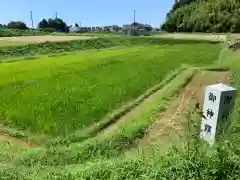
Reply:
x=204 y=16
x=17 y=25
x=52 y=25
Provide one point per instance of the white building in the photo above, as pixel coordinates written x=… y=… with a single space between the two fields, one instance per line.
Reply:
x=74 y=29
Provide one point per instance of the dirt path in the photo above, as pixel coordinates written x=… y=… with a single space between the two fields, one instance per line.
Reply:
x=195 y=36
x=170 y=123
x=18 y=143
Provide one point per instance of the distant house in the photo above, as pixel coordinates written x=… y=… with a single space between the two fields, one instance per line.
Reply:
x=136 y=29
x=74 y=29
x=105 y=28
x=137 y=25
x=134 y=25
x=115 y=27
x=111 y=28
x=84 y=29
x=126 y=26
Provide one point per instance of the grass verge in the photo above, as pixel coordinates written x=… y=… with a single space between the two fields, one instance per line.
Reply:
x=11 y=43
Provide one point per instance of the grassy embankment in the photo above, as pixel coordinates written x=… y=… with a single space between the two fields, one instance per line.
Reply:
x=11 y=43
x=29 y=51
x=18 y=32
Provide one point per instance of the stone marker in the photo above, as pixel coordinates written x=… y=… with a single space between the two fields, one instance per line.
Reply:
x=218 y=103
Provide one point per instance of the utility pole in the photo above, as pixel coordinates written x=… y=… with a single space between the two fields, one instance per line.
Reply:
x=56 y=15
x=31 y=19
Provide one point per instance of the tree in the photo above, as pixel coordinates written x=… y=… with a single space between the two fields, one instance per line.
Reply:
x=43 y=24
x=148 y=28
x=57 y=24
x=17 y=25
x=3 y=26
x=203 y=16
x=115 y=27
x=76 y=25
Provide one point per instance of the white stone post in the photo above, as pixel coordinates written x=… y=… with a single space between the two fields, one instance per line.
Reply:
x=218 y=103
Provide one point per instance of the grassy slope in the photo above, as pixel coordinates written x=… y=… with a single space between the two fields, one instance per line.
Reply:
x=75 y=91
x=76 y=45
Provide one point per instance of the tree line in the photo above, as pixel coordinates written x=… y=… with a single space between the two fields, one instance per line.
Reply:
x=59 y=25
x=50 y=25
x=203 y=16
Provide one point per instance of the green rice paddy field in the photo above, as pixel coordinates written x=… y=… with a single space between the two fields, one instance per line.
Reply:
x=59 y=95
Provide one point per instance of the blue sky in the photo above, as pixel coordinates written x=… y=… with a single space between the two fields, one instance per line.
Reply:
x=88 y=12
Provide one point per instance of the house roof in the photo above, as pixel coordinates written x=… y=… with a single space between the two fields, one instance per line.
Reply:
x=137 y=24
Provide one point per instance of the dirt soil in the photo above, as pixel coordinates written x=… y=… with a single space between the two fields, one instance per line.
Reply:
x=169 y=124
x=21 y=143
x=18 y=142
x=39 y=39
